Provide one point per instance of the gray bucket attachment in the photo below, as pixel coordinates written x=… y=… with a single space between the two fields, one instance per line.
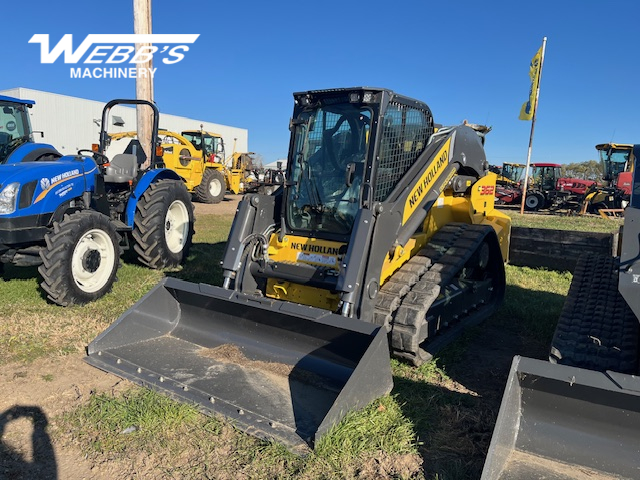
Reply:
x=278 y=370
x=558 y=422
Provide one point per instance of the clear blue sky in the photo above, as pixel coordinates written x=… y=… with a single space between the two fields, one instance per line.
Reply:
x=465 y=59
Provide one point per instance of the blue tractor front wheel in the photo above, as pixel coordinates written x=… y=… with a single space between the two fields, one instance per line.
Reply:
x=81 y=258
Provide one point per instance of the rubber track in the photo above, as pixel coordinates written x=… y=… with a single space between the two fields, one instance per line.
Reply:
x=597 y=330
x=404 y=301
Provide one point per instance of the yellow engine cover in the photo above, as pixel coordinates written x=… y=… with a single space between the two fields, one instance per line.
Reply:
x=311 y=251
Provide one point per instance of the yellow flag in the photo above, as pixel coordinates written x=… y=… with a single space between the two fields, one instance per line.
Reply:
x=526 y=112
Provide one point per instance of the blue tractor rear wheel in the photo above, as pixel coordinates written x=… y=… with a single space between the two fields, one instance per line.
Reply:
x=163 y=224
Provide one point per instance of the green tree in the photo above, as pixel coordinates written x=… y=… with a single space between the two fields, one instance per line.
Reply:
x=589 y=170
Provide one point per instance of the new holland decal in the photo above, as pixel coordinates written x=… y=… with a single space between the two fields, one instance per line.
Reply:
x=49 y=183
x=319 y=254
x=426 y=182
x=311 y=248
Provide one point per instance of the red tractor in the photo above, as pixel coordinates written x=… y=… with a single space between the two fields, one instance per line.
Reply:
x=548 y=189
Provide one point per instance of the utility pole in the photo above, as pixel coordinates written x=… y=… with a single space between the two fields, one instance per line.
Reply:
x=144 y=82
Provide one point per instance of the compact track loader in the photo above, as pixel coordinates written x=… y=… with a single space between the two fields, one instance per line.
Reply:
x=384 y=237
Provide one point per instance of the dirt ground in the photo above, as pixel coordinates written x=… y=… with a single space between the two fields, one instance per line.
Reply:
x=226 y=207
x=32 y=394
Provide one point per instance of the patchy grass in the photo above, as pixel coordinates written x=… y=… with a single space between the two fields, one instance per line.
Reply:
x=578 y=223
x=32 y=327
x=137 y=419
x=377 y=442
x=436 y=424
x=382 y=426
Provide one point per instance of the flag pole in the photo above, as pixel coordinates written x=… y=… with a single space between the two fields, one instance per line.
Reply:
x=533 y=124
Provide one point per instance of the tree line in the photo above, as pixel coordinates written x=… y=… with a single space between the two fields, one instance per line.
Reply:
x=589 y=170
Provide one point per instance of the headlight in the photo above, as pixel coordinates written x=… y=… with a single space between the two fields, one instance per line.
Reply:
x=8 y=198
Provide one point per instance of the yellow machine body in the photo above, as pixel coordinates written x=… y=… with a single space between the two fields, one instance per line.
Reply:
x=475 y=208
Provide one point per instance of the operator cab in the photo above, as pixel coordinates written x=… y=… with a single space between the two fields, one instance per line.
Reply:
x=332 y=173
x=615 y=159
x=210 y=144
x=546 y=175
x=330 y=148
x=15 y=128
x=513 y=171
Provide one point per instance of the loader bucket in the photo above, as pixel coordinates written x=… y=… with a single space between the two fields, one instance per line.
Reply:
x=278 y=370
x=558 y=422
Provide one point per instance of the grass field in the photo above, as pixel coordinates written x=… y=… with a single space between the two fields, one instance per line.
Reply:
x=584 y=223
x=436 y=423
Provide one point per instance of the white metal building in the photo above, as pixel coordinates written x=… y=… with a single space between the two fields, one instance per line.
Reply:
x=71 y=124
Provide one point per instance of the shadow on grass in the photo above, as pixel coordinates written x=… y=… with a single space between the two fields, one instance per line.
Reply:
x=12 y=272
x=14 y=464
x=17 y=274
x=448 y=425
x=203 y=264
x=454 y=412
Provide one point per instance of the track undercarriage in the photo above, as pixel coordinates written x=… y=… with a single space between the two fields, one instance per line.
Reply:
x=454 y=282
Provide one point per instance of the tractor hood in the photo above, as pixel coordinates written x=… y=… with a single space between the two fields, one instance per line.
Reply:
x=43 y=186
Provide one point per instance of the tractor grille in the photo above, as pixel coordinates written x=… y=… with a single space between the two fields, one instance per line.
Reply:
x=406 y=131
x=26 y=194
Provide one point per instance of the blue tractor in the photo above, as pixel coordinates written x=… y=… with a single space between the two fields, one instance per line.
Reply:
x=16 y=136
x=73 y=215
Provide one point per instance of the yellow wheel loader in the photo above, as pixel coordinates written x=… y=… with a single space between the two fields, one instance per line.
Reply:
x=199 y=158
x=617 y=162
x=384 y=239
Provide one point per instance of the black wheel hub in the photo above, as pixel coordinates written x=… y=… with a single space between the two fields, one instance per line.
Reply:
x=91 y=260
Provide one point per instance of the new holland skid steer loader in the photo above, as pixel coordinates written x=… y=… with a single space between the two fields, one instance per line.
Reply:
x=385 y=234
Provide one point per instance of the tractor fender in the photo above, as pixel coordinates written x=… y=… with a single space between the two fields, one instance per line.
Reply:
x=143 y=184
x=28 y=152
x=69 y=206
